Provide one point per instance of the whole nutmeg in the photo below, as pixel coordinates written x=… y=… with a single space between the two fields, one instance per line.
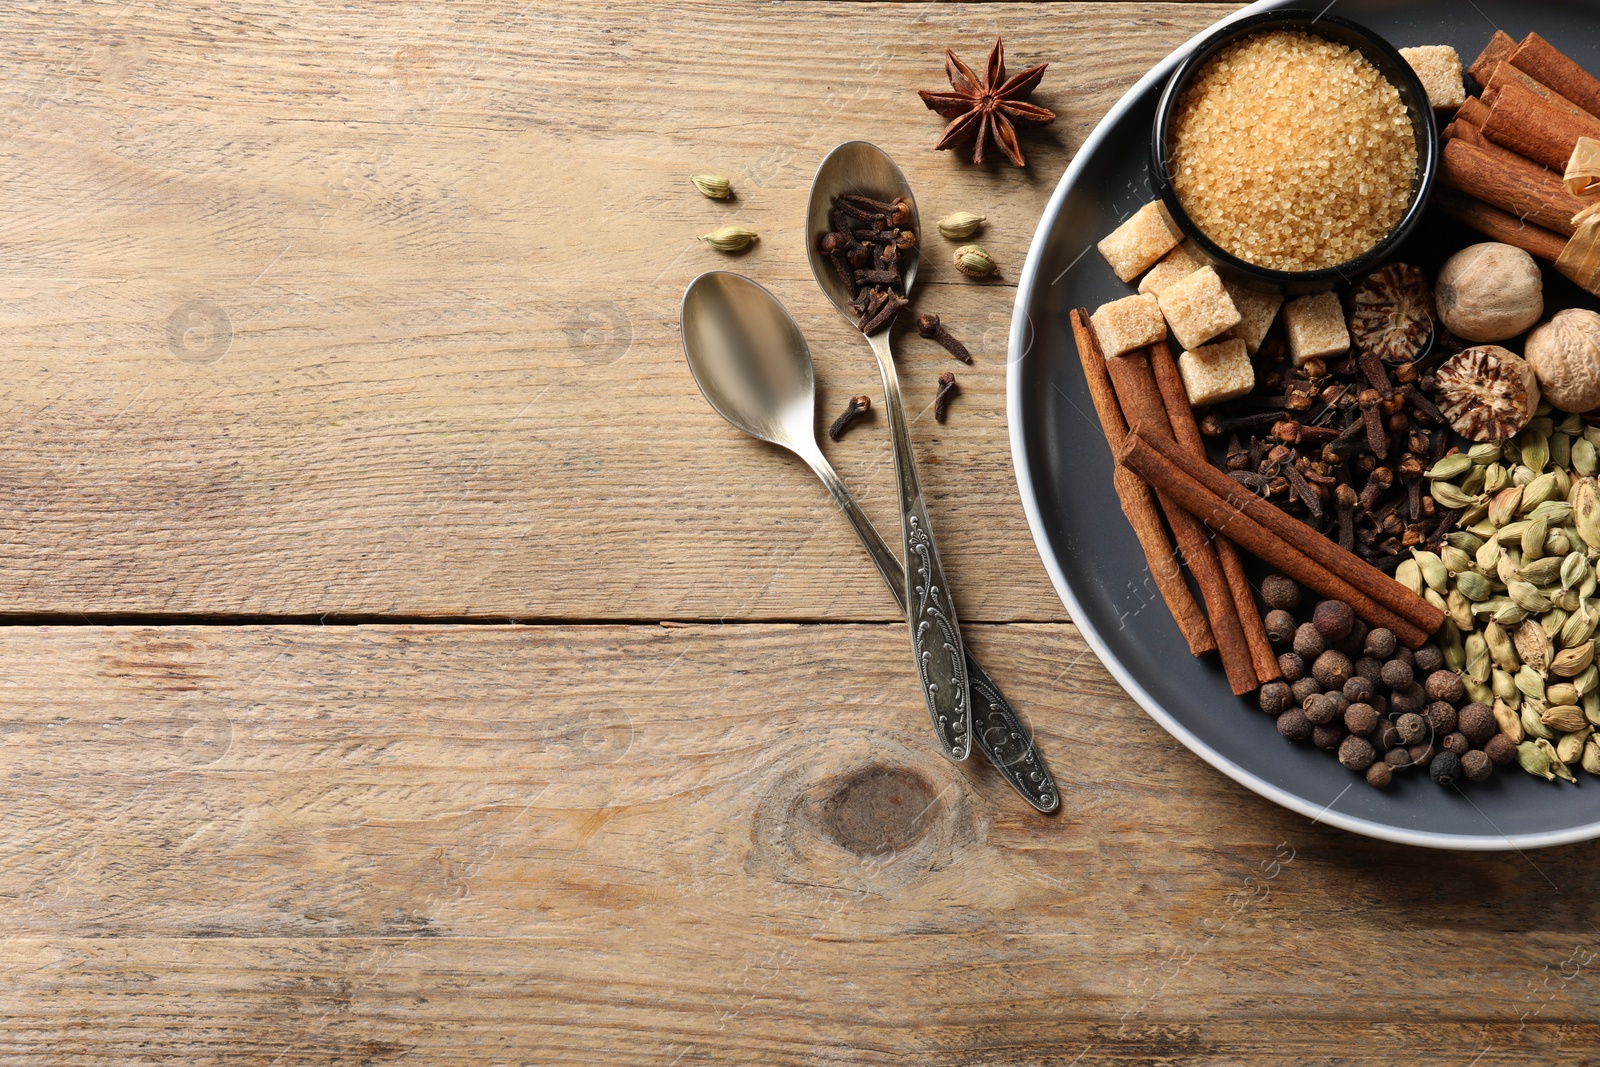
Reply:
x=1329 y=737
x=1333 y=619
x=1440 y=717
x=1489 y=292
x=1565 y=356
x=1358 y=691
x=1292 y=666
x=1308 y=642
x=1380 y=643
x=1427 y=659
x=1360 y=719
x=1356 y=753
x=1477 y=766
x=1331 y=669
x=1304 y=690
x=1445 y=768
x=1445 y=685
x=1477 y=722
x=1379 y=775
x=1280 y=592
x=1500 y=749
x=1412 y=727
x=1280 y=626
x=1407 y=700
x=1397 y=674
x=1294 y=725
x=1276 y=698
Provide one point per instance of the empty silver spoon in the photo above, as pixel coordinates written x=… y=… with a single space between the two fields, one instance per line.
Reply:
x=753 y=365
x=860 y=167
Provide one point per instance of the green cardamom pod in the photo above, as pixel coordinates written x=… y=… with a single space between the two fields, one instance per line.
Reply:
x=1563 y=693
x=1448 y=496
x=713 y=185
x=1452 y=466
x=1563 y=483
x=1561 y=450
x=1552 y=621
x=1511 y=533
x=1543 y=570
x=1532 y=724
x=1463 y=540
x=1505 y=687
x=1472 y=484
x=1592 y=435
x=1566 y=599
x=1571 y=425
x=961 y=225
x=730 y=239
x=1525 y=596
x=1557 y=542
x=1495 y=478
x=1509 y=721
x=1532 y=644
x=1579 y=627
x=1451 y=647
x=974 y=262
x=1533 y=538
x=1556 y=766
x=1473 y=586
x=1488 y=555
x=1570 y=662
x=1509 y=569
x=1586 y=680
x=1435 y=600
x=1564 y=718
x=1586 y=588
x=1586 y=511
x=1510 y=614
x=1503 y=508
x=1569 y=749
x=1584 y=457
x=1530 y=682
x=1478 y=692
x=1433 y=569
x=1459 y=608
x=1531 y=758
x=1534 y=448
x=1536 y=492
x=1522 y=474
x=1591 y=753
x=1573 y=568
x=1554 y=512
x=1409 y=575
x=1484 y=453
x=1478 y=664
x=1455 y=561
x=1591 y=704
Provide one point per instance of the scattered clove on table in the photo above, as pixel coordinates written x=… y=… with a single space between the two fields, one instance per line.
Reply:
x=947 y=391
x=930 y=327
x=858 y=408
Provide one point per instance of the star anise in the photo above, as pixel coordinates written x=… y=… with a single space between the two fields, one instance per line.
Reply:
x=993 y=107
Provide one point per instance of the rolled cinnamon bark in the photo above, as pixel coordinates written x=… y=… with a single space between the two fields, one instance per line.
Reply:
x=1509 y=182
x=1140 y=400
x=1279 y=540
x=1137 y=500
x=1181 y=418
x=1499 y=226
x=1535 y=127
x=1506 y=74
x=1499 y=49
x=1547 y=64
x=1474 y=111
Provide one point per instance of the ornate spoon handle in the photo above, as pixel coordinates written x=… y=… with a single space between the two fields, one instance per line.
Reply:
x=930 y=611
x=999 y=732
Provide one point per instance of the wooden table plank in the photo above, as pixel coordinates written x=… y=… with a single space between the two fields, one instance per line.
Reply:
x=314 y=312
x=703 y=844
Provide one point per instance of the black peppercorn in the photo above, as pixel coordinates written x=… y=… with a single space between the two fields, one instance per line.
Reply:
x=1294 y=725
x=1280 y=592
x=1477 y=722
x=1331 y=669
x=1308 y=642
x=1397 y=674
x=1441 y=717
x=1456 y=742
x=1445 y=685
x=1280 y=627
x=1500 y=749
x=1329 y=737
x=1379 y=775
x=1360 y=719
x=1380 y=643
x=1292 y=666
x=1412 y=728
x=1358 y=690
x=1333 y=619
x=1370 y=669
x=1445 y=768
x=1409 y=699
x=1356 y=753
x=1427 y=659
x=1276 y=698
x=1477 y=766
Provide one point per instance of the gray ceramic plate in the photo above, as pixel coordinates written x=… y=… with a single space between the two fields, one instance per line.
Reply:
x=1064 y=473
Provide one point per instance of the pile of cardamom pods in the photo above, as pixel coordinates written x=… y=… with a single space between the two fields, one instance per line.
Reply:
x=1517 y=582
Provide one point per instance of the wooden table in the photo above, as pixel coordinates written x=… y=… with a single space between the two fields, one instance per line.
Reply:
x=405 y=666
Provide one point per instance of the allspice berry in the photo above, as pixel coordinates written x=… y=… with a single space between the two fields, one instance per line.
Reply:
x=1276 y=698
x=1500 y=749
x=1427 y=659
x=1385 y=735
x=1379 y=775
x=1440 y=717
x=1292 y=666
x=1409 y=699
x=1360 y=719
x=1477 y=722
x=1398 y=758
x=1412 y=728
x=1280 y=592
x=1328 y=737
x=1331 y=669
x=1357 y=690
x=1397 y=674
x=1352 y=643
x=1280 y=627
x=1308 y=642
x=1356 y=753
x=1445 y=768
x=1456 y=742
x=1304 y=690
x=1477 y=766
x=1333 y=619
x=1380 y=643
x=1370 y=669
x=1320 y=709
x=1422 y=754
x=1294 y=725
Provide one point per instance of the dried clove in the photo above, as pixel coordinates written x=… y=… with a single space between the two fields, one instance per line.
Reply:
x=858 y=407
x=929 y=326
x=947 y=390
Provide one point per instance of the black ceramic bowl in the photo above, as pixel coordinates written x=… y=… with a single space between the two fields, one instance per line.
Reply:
x=1389 y=62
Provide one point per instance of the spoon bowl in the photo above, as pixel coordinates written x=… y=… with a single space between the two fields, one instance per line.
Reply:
x=865 y=169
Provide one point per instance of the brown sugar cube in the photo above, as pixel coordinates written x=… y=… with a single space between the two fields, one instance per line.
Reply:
x=1126 y=324
x=1316 y=329
x=1438 y=67
x=1215 y=373
x=1198 y=308
x=1178 y=265
x=1258 y=309
x=1137 y=244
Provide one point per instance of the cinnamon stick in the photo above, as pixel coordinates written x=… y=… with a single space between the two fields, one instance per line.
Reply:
x=1499 y=49
x=1137 y=500
x=1277 y=539
x=1505 y=74
x=1509 y=182
x=1499 y=226
x=1141 y=404
x=1181 y=418
x=1535 y=127
x=1474 y=111
x=1547 y=64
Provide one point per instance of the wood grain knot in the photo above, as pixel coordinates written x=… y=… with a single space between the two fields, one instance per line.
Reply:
x=877 y=809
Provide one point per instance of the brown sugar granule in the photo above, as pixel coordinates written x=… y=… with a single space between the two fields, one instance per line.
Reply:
x=1293 y=152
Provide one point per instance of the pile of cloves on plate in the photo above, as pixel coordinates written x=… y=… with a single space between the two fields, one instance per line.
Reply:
x=865 y=241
